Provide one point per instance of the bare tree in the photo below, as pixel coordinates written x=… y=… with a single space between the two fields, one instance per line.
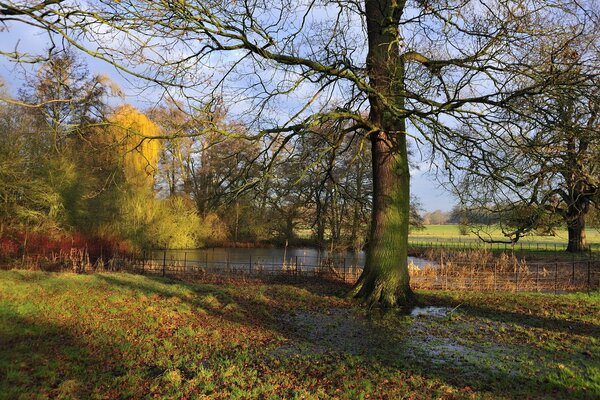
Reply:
x=414 y=65
x=65 y=97
x=539 y=156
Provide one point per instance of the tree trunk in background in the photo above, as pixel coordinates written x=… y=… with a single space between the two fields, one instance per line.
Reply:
x=576 y=229
x=385 y=279
x=356 y=241
x=289 y=227
x=320 y=215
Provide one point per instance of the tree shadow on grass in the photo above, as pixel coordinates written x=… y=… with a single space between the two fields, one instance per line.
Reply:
x=316 y=335
x=397 y=342
x=45 y=359
x=304 y=293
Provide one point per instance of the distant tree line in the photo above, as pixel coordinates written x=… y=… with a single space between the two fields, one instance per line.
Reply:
x=168 y=177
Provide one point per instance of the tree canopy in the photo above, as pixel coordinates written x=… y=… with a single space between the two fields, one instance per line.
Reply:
x=395 y=70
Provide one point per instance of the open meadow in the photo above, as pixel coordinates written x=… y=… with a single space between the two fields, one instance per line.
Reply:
x=531 y=246
x=116 y=336
x=451 y=231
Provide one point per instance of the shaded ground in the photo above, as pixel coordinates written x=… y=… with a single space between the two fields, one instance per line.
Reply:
x=127 y=336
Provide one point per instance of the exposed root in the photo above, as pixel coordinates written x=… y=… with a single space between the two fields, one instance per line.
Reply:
x=378 y=293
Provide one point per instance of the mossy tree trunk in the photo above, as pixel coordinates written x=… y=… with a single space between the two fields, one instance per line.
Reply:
x=385 y=279
x=576 y=228
x=580 y=189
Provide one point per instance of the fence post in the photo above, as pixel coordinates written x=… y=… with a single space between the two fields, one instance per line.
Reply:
x=495 y=282
x=573 y=273
x=250 y=268
x=537 y=277
x=516 y=277
x=184 y=262
x=344 y=269
x=164 y=271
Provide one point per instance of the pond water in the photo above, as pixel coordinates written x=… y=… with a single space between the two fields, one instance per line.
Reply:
x=302 y=256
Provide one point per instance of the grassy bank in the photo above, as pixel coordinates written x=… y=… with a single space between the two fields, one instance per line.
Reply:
x=127 y=336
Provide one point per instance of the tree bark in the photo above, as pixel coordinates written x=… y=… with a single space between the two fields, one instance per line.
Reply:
x=322 y=206
x=385 y=279
x=576 y=229
x=355 y=241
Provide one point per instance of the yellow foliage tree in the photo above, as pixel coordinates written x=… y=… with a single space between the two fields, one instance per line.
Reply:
x=136 y=135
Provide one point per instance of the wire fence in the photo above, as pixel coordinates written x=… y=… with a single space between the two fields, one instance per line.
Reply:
x=512 y=276
x=477 y=244
x=500 y=274
x=339 y=268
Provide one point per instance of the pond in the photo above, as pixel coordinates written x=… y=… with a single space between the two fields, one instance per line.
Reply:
x=305 y=257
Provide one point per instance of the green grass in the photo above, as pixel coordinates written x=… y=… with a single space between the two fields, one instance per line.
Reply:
x=451 y=232
x=530 y=247
x=124 y=336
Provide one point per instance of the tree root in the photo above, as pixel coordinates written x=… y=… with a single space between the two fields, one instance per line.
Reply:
x=378 y=293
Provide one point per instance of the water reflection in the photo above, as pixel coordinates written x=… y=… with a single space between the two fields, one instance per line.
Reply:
x=305 y=257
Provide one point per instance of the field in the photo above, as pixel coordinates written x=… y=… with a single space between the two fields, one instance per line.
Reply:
x=530 y=246
x=128 y=336
x=452 y=231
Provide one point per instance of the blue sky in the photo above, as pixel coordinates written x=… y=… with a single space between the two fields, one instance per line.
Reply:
x=430 y=194
x=423 y=184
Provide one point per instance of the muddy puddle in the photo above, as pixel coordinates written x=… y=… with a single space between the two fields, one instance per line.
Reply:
x=436 y=312
x=426 y=336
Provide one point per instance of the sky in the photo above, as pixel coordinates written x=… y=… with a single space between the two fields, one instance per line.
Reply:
x=423 y=185
x=429 y=193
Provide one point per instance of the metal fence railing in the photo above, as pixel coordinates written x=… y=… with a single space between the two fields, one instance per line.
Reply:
x=476 y=244
x=503 y=274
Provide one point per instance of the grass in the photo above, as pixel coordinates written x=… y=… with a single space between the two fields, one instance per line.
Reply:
x=451 y=231
x=126 y=336
x=532 y=247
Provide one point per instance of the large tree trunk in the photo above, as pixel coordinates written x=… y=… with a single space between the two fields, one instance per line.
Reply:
x=576 y=229
x=385 y=279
